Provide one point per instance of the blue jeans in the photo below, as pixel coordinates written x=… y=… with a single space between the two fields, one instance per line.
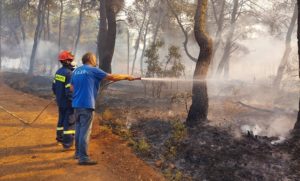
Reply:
x=84 y=119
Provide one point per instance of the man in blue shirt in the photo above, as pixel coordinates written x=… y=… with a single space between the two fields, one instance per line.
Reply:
x=85 y=83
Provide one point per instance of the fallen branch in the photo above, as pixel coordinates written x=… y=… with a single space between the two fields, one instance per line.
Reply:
x=255 y=108
x=275 y=110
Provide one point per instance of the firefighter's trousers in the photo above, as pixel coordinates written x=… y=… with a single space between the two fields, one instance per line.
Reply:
x=66 y=126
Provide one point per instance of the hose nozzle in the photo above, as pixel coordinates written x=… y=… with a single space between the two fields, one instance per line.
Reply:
x=137 y=78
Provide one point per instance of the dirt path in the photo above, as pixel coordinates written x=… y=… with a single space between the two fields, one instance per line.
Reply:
x=33 y=154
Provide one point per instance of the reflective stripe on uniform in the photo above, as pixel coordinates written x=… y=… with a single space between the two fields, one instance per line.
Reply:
x=60 y=78
x=60 y=128
x=54 y=81
x=69 y=132
x=68 y=86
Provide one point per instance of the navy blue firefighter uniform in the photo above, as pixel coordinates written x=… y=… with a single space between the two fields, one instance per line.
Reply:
x=65 y=130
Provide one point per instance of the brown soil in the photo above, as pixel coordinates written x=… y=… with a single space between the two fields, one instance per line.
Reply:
x=31 y=152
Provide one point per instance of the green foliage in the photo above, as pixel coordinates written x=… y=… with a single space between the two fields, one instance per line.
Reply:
x=142 y=146
x=178 y=176
x=105 y=129
x=124 y=133
x=185 y=9
x=154 y=68
x=173 y=175
x=168 y=174
x=174 y=59
x=173 y=66
x=179 y=131
x=178 y=134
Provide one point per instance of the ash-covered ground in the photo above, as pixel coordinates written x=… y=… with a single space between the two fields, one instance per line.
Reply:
x=242 y=140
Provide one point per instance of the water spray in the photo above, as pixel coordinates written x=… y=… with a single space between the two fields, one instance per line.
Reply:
x=176 y=79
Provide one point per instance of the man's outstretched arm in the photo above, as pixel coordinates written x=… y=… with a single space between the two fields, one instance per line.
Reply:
x=118 y=77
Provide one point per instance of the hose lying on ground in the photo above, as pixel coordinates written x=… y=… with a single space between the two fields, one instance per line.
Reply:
x=26 y=123
x=15 y=116
x=29 y=123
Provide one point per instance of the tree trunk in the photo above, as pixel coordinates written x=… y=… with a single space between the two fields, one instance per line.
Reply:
x=38 y=33
x=144 y=46
x=60 y=27
x=79 y=27
x=23 y=32
x=218 y=38
x=15 y=34
x=102 y=33
x=224 y=63
x=107 y=35
x=48 y=22
x=137 y=44
x=128 y=50
x=22 y=27
x=287 y=51
x=297 y=124
x=0 y=35
x=158 y=24
x=110 y=39
x=60 y=24
x=52 y=63
x=199 y=108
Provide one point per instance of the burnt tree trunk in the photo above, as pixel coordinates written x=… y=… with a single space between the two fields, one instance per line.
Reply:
x=102 y=33
x=199 y=108
x=110 y=39
x=224 y=63
x=38 y=33
x=107 y=32
x=79 y=27
x=287 y=51
x=297 y=124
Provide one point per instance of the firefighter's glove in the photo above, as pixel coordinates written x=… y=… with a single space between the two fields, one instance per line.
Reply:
x=131 y=78
x=122 y=77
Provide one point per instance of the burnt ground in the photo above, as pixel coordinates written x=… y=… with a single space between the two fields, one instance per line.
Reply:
x=152 y=122
x=37 y=85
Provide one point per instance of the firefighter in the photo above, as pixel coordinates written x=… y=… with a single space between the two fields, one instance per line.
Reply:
x=65 y=130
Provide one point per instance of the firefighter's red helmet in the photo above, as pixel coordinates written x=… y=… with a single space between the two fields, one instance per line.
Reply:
x=65 y=55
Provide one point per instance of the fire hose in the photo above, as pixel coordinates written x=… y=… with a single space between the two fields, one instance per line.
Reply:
x=29 y=123
x=26 y=123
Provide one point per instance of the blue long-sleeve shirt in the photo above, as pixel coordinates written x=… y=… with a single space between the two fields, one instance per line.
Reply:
x=61 y=87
